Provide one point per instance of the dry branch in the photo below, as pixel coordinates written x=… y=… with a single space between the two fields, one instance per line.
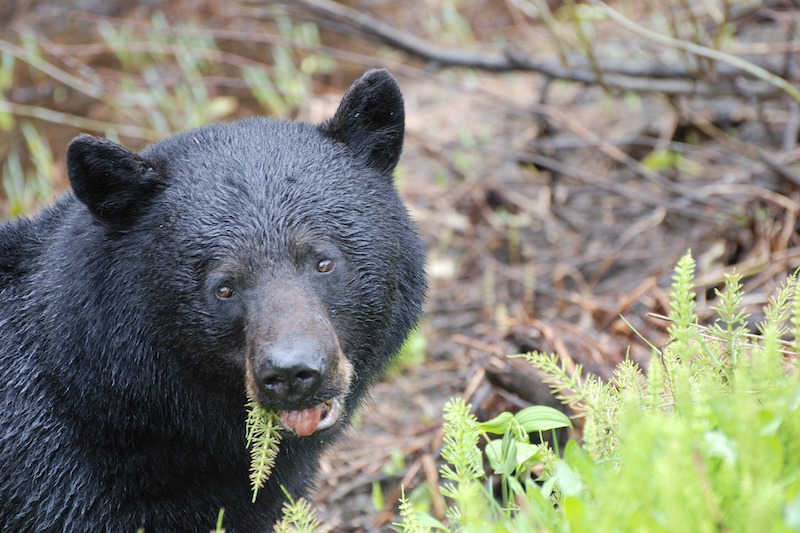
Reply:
x=672 y=79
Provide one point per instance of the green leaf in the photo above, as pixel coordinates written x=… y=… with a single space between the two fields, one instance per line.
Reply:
x=510 y=455
x=426 y=520
x=376 y=495
x=661 y=160
x=6 y=121
x=526 y=451
x=498 y=424
x=567 y=480
x=542 y=418
x=494 y=453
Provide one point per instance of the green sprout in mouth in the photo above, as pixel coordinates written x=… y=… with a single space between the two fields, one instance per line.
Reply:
x=262 y=430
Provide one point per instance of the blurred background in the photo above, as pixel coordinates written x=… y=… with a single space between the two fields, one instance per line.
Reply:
x=561 y=155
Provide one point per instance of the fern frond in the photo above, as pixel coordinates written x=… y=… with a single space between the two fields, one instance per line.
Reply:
x=410 y=518
x=731 y=327
x=682 y=302
x=460 y=447
x=776 y=324
x=592 y=399
x=795 y=318
x=262 y=430
x=778 y=310
x=630 y=381
x=464 y=468
x=298 y=517
x=568 y=387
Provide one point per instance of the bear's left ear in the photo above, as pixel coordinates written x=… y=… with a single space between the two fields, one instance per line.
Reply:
x=111 y=180
x=371 y=120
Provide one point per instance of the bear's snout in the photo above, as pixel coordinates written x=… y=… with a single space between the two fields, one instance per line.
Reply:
x=294 y=359
x=301 y=373
x=293 y=370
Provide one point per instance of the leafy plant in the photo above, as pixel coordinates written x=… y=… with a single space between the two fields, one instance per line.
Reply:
x=468 y=485
x=706 y=439
x=287 y=85
x=298 y=517
x=26 y=188
x=513 y=456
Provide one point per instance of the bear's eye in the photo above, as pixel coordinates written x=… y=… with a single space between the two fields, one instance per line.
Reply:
x=224 y=292
x=326 y=265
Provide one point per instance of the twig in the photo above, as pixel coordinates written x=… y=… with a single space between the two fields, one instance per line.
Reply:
x=591 y=180
x=57 y=117
x=51 y=70
x=432 y=477
x=739 y=147
x=662 y=79
x=701 y=51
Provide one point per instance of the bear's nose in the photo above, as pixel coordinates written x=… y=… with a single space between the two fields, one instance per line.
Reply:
x=292 y=383
x=291 y=372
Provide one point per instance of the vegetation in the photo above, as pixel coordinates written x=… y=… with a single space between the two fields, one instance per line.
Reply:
x=707 y=439
x=164 y=78
x=298 y=517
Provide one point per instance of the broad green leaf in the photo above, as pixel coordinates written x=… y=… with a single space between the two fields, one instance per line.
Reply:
x=498 y=424
x=542 y=418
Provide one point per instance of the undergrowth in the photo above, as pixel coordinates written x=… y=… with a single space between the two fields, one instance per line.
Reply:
x=298 y=517
x=158 y=78
x=705 y=439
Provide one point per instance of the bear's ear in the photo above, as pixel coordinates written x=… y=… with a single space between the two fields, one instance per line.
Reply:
x=371 y=120
x=111 y=180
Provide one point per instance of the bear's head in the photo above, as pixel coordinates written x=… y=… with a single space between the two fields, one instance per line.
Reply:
x=266 y=256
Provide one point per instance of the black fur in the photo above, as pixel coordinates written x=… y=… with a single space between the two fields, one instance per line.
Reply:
x=123 y=390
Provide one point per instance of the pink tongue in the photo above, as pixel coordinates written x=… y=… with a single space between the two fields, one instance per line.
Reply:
x=304 y=422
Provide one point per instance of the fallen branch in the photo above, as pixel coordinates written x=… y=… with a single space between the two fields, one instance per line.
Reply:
x=672 y=80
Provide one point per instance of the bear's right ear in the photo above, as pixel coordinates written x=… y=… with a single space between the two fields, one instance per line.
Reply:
x=371 y=120
x=111 y=180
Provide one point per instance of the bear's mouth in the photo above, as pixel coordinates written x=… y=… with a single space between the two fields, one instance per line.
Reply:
x=305 y=422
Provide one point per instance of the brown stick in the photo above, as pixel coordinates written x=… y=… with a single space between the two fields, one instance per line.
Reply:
x=672 y=80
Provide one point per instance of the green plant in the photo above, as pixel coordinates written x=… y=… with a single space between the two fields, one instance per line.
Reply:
x=298 y=517
x=27 y=188
x=469 y=486
x=167 y=77
x=172 y=103
x=287 y=85
x=706 y=439
x=263 y=435
x=514 y=456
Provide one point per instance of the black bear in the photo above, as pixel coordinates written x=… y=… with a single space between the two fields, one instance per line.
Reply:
x=260 y=258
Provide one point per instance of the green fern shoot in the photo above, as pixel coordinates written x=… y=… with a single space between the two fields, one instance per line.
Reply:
x=682 y=300
x=464 y=464
x=298 y=517
x=731 y=326
x=262 y=430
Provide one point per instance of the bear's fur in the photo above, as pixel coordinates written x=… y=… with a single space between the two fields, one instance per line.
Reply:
x=260 y=257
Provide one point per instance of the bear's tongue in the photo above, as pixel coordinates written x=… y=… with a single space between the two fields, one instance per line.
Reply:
x=306 y=422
